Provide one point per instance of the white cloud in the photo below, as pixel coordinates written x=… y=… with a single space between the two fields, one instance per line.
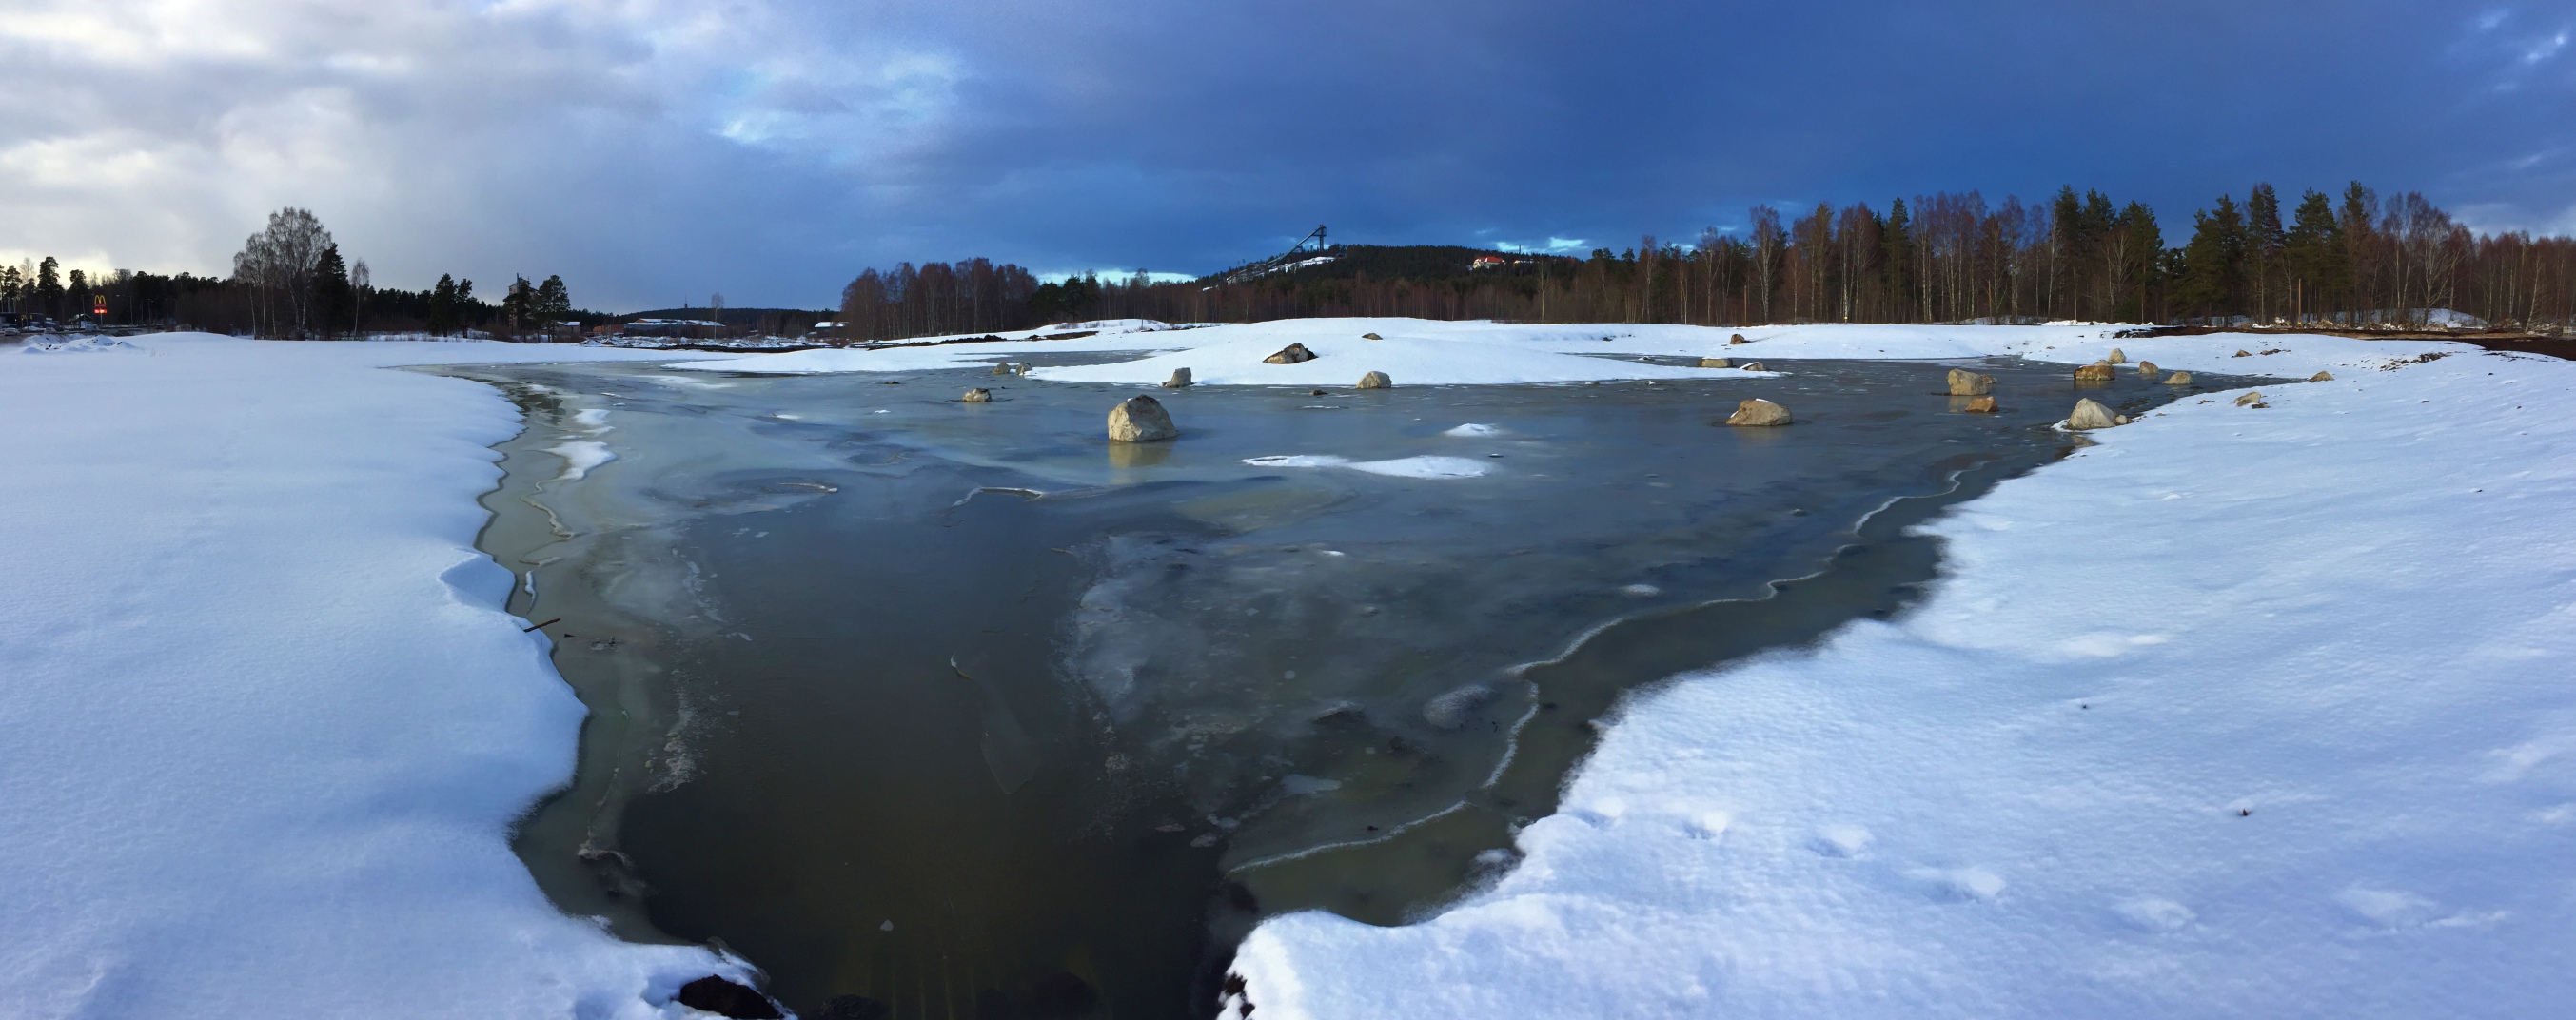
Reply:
x=158 y=133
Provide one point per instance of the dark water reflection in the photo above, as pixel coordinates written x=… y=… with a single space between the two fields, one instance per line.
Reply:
x=960 y=709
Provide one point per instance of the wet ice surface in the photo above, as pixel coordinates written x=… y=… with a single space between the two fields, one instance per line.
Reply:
x=960 y=708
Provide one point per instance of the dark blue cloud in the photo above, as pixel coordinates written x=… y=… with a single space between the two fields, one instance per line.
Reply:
x=771 y=149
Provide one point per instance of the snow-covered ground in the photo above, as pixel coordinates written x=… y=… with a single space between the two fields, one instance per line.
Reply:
x=1420 y=352
x=263 y=724
x=2243 y=711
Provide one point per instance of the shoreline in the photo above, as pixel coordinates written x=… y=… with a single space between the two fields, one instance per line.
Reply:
x=203 y=429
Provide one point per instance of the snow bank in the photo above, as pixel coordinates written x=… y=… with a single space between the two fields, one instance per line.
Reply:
x=1417 y=352
x=62 y=344
x=2243 y=712
x=264 y=726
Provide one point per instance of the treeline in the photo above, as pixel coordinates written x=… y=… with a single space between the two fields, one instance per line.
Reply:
x=2352 y=260
x=970 y=296
x=290 y=280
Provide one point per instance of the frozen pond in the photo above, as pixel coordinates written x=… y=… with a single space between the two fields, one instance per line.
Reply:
x=961 y=709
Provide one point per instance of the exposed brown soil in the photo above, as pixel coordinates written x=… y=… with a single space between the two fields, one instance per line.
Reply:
x=2526 y=343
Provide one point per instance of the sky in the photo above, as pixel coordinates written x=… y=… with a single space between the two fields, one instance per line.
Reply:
x=656 y=152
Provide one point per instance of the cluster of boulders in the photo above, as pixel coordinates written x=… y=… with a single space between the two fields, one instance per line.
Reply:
x=1142 y=419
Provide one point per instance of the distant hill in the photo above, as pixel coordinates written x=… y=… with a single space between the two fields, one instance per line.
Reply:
x=1418 y=262
x=730 y=316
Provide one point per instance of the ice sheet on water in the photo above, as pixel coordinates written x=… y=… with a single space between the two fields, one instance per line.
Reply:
x=580 y=456
x=1401 y=467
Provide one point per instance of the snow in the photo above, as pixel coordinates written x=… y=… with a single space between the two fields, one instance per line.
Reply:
x=264 y=726
x=580 y=456
x=1402 y=467
x=67 y=344
x=2240 y=712
x=1413 y=352
x=1418 y=352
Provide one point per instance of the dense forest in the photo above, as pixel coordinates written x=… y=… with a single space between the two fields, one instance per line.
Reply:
x=2353 y=261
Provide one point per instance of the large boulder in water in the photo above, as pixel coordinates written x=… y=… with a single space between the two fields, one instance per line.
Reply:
x=1982 y=405
x=2117 y=357
x=1180 y=379
x=1755 y=411
x=1376 y=381
x=2147 y=369
x=1717 y=362
x=2178 y=379
x=1141 y=420
x=1964 y=383
x=2090 y=414
x=1290 y=355
x=1450 y=711
x=2093 y=373
x=978 y=395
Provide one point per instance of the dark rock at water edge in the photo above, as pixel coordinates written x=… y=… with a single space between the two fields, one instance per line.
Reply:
x=713 y=994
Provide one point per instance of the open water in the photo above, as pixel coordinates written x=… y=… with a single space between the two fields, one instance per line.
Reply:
x=962 y=710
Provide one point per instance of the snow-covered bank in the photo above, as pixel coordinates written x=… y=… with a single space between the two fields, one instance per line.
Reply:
x=1422 y=352
x=1412 y=351
x=263 y=725
x=2243 y=712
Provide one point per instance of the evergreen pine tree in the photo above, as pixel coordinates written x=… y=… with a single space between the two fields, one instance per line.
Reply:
x=76 y=297
x=332 y=299
x=2066 y=222
x=2214 y=261
x=2360 y=208
x=442 y=306
x=2141 y=267
x=554 y=300
x=2313 y=256
x=2264 y=240
x=49 y=288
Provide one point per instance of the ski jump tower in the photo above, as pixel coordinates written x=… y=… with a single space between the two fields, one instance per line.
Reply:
x=1280 y=261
